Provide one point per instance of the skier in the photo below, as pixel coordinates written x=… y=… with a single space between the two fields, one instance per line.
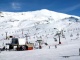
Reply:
x=55 y=46
x=0 y=50
x=49 y=47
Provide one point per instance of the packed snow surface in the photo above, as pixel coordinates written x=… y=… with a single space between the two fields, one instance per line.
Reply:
x=71 y=50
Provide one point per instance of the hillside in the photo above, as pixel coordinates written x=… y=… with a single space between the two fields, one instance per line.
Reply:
x=38 y=23
x=41 y=24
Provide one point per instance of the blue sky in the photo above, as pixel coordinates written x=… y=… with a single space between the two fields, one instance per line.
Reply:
x=63 y=6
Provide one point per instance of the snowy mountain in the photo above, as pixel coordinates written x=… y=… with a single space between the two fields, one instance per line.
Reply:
x=47 y=25
x=37 y=23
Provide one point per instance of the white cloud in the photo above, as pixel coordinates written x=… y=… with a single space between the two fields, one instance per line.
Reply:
x=15 y=6
x=71 y=8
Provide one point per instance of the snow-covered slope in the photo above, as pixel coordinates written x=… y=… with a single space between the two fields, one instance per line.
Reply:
x=37 y=23
x=45 y=24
